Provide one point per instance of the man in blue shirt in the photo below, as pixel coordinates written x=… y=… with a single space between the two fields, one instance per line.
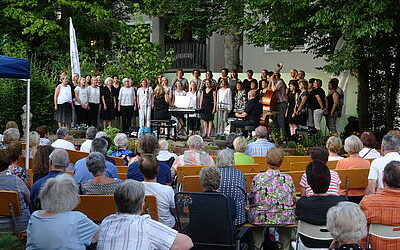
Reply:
x=81 y=172
x=261 y=146
x=59 y=161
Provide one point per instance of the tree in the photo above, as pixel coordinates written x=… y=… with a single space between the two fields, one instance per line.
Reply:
x=203 y=18
x=369 y=28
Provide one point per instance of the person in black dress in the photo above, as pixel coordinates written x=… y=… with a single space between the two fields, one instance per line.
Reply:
x=161 y=104
x=292 y=95
x=108 y=101
x=115 y=90
x=301 y=109
x=208 y=102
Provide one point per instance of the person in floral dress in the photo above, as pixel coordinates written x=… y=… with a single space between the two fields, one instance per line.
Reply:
x=272 y=199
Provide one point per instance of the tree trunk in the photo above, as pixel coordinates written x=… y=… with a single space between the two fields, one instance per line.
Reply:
x=231 y=49
x=363 y=97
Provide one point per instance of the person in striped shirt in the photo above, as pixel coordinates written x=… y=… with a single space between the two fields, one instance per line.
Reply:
x=127 y=229
x=261 y=146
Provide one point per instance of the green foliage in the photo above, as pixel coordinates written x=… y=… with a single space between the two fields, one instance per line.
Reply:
x=10 y=242
x=112 y=132
x=291 y=144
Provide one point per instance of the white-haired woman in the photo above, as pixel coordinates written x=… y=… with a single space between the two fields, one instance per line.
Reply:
x=348 y=226
x=240 y=145
x=353 y=145
x=108 y=103
x=334 y=145
x=126 y=103
x=121 y=142
x=56 y=226
x=34 y=139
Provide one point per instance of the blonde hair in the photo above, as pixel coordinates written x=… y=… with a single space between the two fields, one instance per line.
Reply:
x=159 y=91
x=275 y=157
x=107 y=80
x=240 y=144
x=334 y=144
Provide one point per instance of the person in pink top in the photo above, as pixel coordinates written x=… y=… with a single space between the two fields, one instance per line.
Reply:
x=353 y=145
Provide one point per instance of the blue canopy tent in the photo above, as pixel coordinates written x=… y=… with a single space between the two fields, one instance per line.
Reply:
x=19 y=69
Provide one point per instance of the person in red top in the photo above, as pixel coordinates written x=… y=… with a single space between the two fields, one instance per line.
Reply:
x=353 y=145
x=384 y=206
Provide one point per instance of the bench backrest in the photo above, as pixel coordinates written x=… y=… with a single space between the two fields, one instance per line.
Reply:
x=9 y=202
x=285 y=166
x=353 y=178
x=301 y=166
x=75 y=155
x=122 y=169
x=21 y=162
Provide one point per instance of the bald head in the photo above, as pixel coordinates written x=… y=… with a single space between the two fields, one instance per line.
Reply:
x=251 y=94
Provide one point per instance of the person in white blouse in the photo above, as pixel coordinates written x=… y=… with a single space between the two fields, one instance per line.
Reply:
x=126 y=103
x=145 y=103
x=81 y=101
x=369 y=141
x=178 y=91
x=63 y=103
x=193 y=96
x=94 y=102
x=224 y=105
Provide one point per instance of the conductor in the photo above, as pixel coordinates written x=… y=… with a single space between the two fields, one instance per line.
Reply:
x=251 y=114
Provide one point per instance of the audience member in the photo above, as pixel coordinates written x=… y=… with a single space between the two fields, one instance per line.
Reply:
x=109 y=144
x=353 y=146
x=313 y=209
x=193 y=156
x=148 y=144
x=347 y=225
x=390 y=151
x=11 y=124
x=148 y=166
x=56 y=226
x=13 y=183
x=61 y=142
x=10 y=135
x=229 y=141
x=121 y=142
x=127 y=229
x=384 y=206
x=334 y=145
x=320 y=155
x=34 y=140
x=90 y=135
x=44 y=133
x=233 y=184
x=15 y=150
x=81 y=172
x=101 y=134
x=41 y=163
x=272 y=198
x=164 y=155
x=100 y=184
x=369 y=141
x=240 y=144
x=59 y=162
x=261 y=146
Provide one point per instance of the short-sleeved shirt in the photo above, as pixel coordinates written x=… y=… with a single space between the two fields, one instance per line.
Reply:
x=353 y=163
x=90 y=187
x=82 y=174
x=144 y=96
x=259 y=148
x=126 y=96
x=379 y=164
x=61 y=143
x=128 y=231
x=165 y=201
x=334 y=185
x=313 y=104
x=70 y=230
x=369 y=153
x=163 y=175
x=193 y=157
x=241 y=158
x=253 y=109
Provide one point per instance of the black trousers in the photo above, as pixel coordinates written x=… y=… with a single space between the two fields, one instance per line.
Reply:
x=81 y=114
x=242 y=124
x=126 y=115
x=93 y=113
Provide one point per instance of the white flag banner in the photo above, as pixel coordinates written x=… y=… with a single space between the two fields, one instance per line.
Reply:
x=73 y=50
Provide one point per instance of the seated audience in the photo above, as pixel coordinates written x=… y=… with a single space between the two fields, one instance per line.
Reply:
x=271 y=199
x=127 y=229
x=384 y=206
x=61 y=142
x=313 y=209
x=109 y=144
x=58 y=164
x=390 y=151
x=229 y=141
x=369 y=141
x=81 y=172
x=56 y=226
x=10 y=135
x=101 y=134
x=347 y=225
x=15 y=150
x=164 y=155
x=44 y=133
x=148 y=166
x=261 y=146
x=334 y=145
x=233 y=184
x=90 y=135
x=240 y=144
x=41 y=163
x=193 y=156
x=320 y=154
x=100 y=184
x=13 y=183
x=353 y=146
x=34 y=138
x=11 y=124
x=121 y=142
x=148 y=144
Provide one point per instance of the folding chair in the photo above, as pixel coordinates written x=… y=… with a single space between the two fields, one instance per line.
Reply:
x=312 y=231
x=10 y=207
x=383 y=231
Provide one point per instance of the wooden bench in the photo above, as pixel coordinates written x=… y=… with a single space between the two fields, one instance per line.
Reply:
x=98 y=207
x=301 y=166
x=75 y=155
x=10 y=206
x=353 y=178
x=122 y=169
x=287 y=160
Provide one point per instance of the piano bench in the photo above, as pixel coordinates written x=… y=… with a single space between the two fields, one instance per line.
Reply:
x=165 y=124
